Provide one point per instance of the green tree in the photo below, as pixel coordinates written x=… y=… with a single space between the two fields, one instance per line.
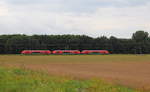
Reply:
x=141 y=40
x=140 y=43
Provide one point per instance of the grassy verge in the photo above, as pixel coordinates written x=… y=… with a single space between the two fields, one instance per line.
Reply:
x=21 y=80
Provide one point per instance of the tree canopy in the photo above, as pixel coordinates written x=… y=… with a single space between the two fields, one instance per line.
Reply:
x=13 y=44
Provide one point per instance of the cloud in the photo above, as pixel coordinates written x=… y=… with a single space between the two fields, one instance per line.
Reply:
x=91 y=17
x=109 y=21
x=76 y=5
x=3 y=9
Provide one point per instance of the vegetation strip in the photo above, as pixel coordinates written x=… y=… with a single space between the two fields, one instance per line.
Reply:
x=21 y=80
x=14 y=44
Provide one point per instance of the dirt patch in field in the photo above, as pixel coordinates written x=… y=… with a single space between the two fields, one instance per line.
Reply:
x=132 y=74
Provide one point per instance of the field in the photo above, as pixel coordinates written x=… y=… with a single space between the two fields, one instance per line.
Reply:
x=75 y=73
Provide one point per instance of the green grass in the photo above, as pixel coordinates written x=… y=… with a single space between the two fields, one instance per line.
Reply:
x=23 y=80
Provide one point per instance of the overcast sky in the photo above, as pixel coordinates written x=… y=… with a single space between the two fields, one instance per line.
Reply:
x=94 y=18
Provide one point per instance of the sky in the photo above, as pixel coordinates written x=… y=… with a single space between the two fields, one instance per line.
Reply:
x=120 y=18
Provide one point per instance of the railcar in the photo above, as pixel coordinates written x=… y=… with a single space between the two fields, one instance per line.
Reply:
x=36 y=52
x=94 y=52
x=66 y=52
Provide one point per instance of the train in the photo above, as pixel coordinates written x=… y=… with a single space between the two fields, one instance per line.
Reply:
x=61 y=52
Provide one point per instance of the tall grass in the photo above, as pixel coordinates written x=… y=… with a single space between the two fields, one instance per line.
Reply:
x=22 y=80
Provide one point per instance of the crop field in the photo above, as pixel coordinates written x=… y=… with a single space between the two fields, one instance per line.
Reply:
x=74 y=73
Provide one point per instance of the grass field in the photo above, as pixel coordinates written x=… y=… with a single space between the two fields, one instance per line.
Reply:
x=71 y=58
x=18 y=80
x=74 y=73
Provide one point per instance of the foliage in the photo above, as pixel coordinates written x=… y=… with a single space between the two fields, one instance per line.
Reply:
x=13 y=44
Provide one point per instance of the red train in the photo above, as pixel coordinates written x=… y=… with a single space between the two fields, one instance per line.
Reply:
x=94 y=52
x=36 y=51
x=65 y=52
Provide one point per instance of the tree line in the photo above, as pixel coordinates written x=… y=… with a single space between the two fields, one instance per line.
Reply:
x=139 y=43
